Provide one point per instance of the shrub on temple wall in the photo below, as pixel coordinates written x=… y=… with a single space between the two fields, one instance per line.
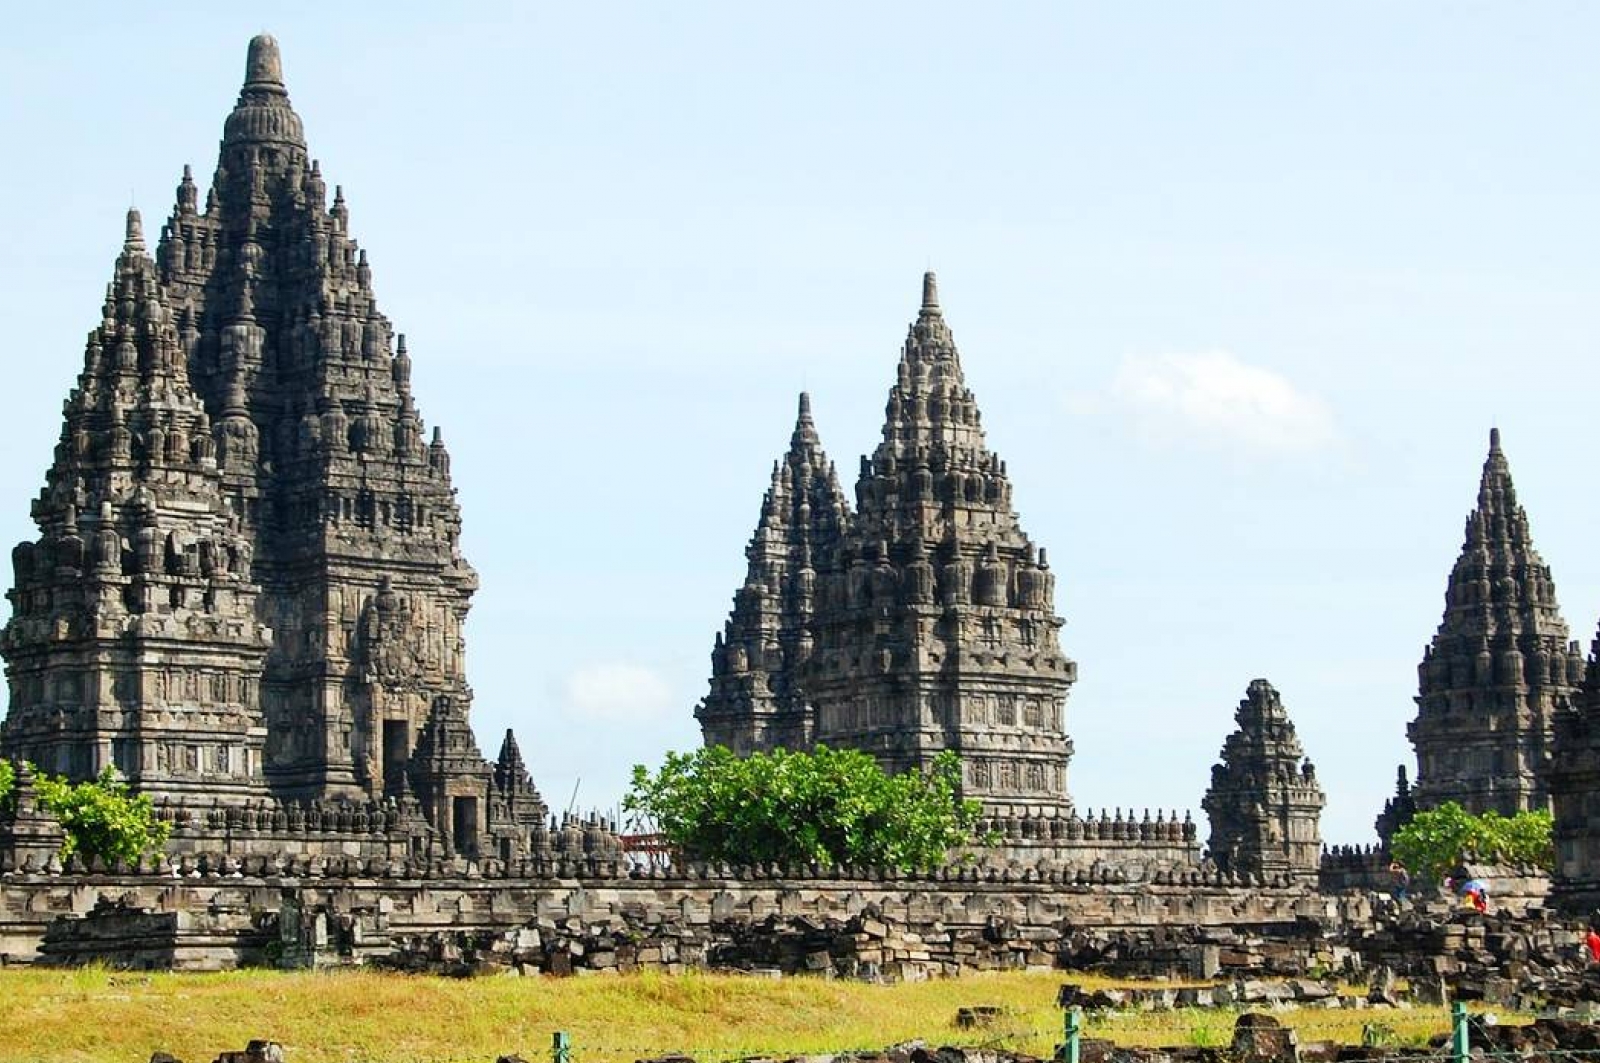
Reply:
x=102 y=817
x=828 y=807
x=1436 y=840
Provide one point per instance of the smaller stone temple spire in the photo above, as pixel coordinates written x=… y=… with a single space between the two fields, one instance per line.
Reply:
x=1500 y=666
x=755 y=700
x=1397 y=810
x=1264 y=802
x=520 y=804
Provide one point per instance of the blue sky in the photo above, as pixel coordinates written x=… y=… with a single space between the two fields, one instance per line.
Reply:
x=1240 y=289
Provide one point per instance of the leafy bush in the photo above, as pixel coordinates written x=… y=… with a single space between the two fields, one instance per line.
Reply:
x=102 y=817
x=8 y=779
x=1436 y=840
x=829 y=806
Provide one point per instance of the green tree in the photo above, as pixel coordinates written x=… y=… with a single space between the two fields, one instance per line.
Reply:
x=102 y=817
x=8 y=780
x=1436 y=840
x=829 y=806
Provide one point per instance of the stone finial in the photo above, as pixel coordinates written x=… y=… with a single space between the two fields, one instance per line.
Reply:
x=263 y=66
x=263 y=114
x=133 y=238
x=1494 y=439
x=930 y=293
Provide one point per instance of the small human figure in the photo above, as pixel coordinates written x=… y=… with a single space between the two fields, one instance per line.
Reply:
x=1591 y=943
x=1475 y=894
x=1401 y=887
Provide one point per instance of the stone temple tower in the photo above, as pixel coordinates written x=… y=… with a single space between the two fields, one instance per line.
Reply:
x=936 y=626
x=1499 y=668
x=1264 y=802
x=249 y=569
x=134 y=639
x=322 y=452
x=756 y=701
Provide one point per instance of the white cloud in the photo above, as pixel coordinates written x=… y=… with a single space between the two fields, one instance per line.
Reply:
x=617 y=692
x=1215 y=396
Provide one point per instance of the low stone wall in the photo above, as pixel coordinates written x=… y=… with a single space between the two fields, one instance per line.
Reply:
x=1129 y=847
x=1355 y=867
x=340 y=829
x=394 y=903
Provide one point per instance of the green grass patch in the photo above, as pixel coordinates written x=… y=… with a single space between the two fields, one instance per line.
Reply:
x=97 y=1015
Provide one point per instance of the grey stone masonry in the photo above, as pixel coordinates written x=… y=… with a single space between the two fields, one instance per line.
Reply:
x=248 y=582
x=240 y=899
x=1264 y=802
x=1499 y=668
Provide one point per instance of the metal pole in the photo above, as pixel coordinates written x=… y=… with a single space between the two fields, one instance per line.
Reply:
x=1069 y=1051
x=560 y=1048
x=1458 y=1031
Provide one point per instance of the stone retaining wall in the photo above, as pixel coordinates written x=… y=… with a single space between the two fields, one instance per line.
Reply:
x=103 y=907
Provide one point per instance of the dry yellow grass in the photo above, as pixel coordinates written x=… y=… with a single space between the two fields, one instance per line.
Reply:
x=341 y=1017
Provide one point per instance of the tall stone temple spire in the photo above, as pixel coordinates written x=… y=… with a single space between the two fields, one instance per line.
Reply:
x=1500 y=666
x=756 y=701
x=936 y=627
x=1264 y=802
x=279 y=399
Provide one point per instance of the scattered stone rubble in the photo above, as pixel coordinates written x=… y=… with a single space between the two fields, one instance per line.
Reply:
x=254 y=1052
x=868 y=946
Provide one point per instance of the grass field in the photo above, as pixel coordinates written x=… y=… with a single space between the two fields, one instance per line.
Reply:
x=104 y=1016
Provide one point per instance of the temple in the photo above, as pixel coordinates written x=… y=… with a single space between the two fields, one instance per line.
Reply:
x=248 y=583
x=919 y=621
x=246 y=595
x=1264 y=803
x=1499 y=668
